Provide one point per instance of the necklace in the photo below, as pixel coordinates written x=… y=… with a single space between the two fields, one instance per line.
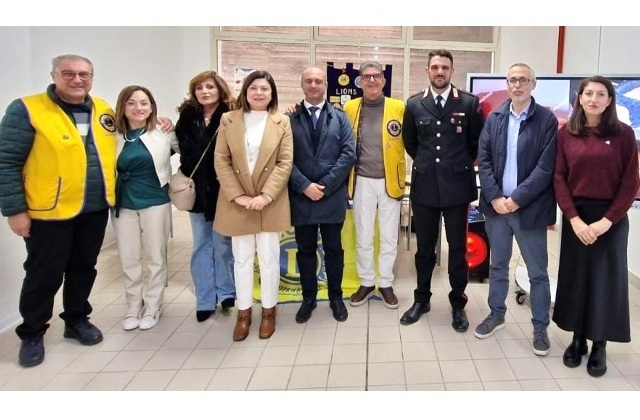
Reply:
x=135 y=134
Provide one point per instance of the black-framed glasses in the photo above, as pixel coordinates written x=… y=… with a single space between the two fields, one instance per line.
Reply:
x=70 y=75
x=370 y=77
x=522 y=80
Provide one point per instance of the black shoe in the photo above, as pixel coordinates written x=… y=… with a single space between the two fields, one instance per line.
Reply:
x=31 y=351
x=304 y=313
x=339 y=310
x=84 y=331
x=203 y=315
x=227 y=304
x=573 y=354
x=413 y=314
x=460 y=322
x=597 y=364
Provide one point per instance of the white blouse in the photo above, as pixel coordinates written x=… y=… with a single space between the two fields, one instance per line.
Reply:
x=254 y=124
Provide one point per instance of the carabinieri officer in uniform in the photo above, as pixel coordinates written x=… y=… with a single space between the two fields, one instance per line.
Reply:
x=441 y=127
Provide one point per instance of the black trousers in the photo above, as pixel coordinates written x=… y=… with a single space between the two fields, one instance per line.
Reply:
x=307 y=258
x=66 y=249
x=426 y=221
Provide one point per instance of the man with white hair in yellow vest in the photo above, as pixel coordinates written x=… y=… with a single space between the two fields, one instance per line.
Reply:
x=377 y=184
x=57 y=165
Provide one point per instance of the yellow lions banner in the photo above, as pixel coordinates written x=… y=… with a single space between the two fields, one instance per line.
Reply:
x=290 y=290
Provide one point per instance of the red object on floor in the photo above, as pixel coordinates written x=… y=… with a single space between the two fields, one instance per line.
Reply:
x=477 y=250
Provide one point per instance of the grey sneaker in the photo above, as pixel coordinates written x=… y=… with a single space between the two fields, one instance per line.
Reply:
x=541 y=344
x=487 y=327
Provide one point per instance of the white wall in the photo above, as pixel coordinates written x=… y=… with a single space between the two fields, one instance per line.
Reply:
x=148 y=56
x=582 y=50
x=165 y=58
x=608 y=50
x=15 y=81
x=534 y=45
x=618 y=50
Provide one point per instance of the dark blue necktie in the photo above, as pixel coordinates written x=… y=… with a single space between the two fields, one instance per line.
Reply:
x=439 y=102
x=314 y=117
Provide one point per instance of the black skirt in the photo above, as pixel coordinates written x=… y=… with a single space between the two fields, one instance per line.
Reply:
x=592 y=297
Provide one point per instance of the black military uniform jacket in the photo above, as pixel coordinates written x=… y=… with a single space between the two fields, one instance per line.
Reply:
x=444 y=146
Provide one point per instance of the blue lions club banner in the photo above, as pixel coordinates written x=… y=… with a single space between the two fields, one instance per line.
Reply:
x=343 y=84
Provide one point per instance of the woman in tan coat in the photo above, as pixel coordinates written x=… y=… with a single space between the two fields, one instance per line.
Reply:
x=253 y=159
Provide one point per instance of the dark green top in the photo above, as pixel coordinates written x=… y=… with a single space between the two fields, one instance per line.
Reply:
x=137 y=184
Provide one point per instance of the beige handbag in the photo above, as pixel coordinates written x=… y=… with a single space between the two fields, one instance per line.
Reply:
x=182 y=189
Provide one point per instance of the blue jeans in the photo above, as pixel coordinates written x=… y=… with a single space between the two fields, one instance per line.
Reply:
x=211 y=264
x=533 y=246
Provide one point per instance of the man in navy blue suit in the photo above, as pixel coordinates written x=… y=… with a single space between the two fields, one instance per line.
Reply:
x=323 y=155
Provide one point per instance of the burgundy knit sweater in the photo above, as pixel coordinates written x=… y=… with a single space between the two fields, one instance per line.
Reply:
x=595 y=167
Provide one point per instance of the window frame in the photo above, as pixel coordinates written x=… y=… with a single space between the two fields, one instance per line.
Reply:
x=313 y=39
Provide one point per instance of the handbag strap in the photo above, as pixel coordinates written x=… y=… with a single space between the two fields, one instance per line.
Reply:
x=203 y=153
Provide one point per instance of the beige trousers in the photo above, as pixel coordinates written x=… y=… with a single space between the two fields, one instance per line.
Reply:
x=143 y=233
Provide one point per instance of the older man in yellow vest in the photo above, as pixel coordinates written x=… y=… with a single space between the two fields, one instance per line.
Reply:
x=377 y=183
x=57 y=165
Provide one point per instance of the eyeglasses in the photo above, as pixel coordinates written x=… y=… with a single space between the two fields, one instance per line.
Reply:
x=70 y=75
x=371 y=77
x=522 y=80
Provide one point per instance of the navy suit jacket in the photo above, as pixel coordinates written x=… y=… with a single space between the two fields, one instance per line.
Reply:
x=327 y=164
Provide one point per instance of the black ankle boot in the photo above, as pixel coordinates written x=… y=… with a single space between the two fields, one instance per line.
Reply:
x=597 y=364
x=573 y=354
x=202 y=316
x=227 y=304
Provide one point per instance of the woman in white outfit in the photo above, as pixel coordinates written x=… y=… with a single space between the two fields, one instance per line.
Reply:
x=142 y=214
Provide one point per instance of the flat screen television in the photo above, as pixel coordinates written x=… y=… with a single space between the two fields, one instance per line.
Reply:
x=558 y=93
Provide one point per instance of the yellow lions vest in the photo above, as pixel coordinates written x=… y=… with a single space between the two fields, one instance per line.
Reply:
x=55 y=173
x=395 y=167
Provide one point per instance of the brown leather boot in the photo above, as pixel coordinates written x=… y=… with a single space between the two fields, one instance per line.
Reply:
x=241 y=330
x=268 y=323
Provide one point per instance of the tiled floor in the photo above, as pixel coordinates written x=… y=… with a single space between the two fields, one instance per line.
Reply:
x=370 y=351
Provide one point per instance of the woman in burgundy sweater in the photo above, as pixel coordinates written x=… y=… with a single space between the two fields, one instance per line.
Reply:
x=596 y=180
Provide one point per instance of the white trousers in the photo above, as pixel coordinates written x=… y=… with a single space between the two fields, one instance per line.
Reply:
x=143 y=232
x=371 y=195
x=267 y=244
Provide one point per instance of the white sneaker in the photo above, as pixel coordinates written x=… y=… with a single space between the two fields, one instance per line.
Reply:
x=131 y=322
x=150 y=319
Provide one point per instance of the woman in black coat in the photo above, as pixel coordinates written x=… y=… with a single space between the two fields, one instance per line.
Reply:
x=211 y=257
